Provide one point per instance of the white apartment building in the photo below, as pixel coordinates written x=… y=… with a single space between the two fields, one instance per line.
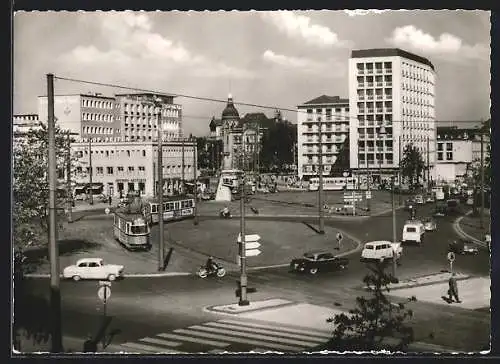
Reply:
x=332 y=113
x=396 y=89
x=125 y=117
x=137 y=116
x=132 y=166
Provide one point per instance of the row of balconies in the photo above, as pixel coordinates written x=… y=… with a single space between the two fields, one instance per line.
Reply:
x=374 y=122
x=372 y=136
x=417 y=77
x=374 y=162
x=372 y=149
x=345 y=129
x=378 y=110
x=370 y=71
x=376 y=97
x=313 y=152
x=324 y=141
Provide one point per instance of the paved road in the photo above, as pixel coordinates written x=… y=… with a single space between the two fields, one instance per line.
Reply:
x=145 y=308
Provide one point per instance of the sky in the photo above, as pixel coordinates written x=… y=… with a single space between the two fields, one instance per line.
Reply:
x=279 y=58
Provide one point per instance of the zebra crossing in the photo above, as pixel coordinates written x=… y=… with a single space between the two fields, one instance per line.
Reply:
x=227 y=335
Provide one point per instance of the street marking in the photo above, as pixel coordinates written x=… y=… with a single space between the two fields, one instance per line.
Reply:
x=193 y=339
x=240 y=340
x=311 y=332
x=243 y=338
x=254 y=336
x=160 y=342
x=149 y=348
x=274 y=332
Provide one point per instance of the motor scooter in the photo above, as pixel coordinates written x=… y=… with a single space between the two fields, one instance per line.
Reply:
x=225 y=214
x=219 y=271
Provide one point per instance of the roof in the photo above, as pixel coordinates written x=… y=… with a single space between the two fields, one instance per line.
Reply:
x=454 y=133
x=88 y=260
x=325 y=99
x=150 y=94
x=230 y=111
x=390 y=52
x=214 y=123
x=98 y=95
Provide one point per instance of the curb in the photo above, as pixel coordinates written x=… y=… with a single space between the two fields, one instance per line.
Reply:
x=463 y=234
x=136 y=275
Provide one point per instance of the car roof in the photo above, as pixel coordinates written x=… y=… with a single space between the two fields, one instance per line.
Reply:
x=378 y=242
x=88 y=260
x=316 y=252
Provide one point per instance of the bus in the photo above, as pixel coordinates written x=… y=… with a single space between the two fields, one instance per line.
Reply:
x=131 y=228
x=334 y=183
x=174 y=208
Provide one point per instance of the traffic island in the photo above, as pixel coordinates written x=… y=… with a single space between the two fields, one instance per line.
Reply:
x=235 y=309
x=426 y=280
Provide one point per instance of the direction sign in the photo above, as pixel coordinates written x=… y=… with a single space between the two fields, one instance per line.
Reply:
x=249 y=238
x=451 y=257
x=252 y=245
x=107 y=210
x=368 y=194
x=252 y=252
x=104 y=293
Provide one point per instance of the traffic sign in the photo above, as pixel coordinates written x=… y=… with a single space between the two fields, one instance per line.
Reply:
x=252 y=252
x=107 y=210
x=104 y=293
x=368 y=194
x=252 y=245
x=249 y=238
x=451 y=257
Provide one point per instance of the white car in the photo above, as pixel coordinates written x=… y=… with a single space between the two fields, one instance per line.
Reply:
x=419 y=199
x=430 y=225
x=381 y=250
x=93 y=268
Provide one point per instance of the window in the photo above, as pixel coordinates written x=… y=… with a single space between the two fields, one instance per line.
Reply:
x=143 y=153
x=100 y=170
x=449 y=146
x=109 y=170
x=128 y=153
x=83 y=264
x=449 y=156
x=440 y=146
x=142 y=168
x=120 y=169
x=78 y=169
x=440 y=156
x=131 y=169
x=93 y=264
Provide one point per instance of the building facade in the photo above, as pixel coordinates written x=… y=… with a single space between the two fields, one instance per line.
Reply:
x=122 y=167
x=125 y=117
x=458 y=151
x=332 y=114
x=395 y=89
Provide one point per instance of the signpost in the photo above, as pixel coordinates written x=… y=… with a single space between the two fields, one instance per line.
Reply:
x=339 y=238
x=350 y=200
x=368 y=195
x=451 y=259
x=251 y=244
x=107 y=210
x=104 y=292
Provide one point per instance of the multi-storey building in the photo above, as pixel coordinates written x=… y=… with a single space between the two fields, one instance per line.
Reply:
x=457 y=151
x=22 y=123
x=395 y=89
x=86 y=115
x=132 y=166
x=332 y=114
x=137 y=117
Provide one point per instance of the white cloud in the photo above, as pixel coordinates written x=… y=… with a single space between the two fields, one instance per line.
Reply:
x=132 y=42
x=447 y=45
x=329 y=68
x=299 y=26
x=364 y=12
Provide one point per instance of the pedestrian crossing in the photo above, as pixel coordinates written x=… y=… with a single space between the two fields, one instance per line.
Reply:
x=227 y=335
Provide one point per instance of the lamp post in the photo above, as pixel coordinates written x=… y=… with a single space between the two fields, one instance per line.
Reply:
x=394 y=237
x=69 y=195
x=195 y=181
x=481 y=217
x=381 y=133
x=91 y=198
x=320 y=181
x=158 y=108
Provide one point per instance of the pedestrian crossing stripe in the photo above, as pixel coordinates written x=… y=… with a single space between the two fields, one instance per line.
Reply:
x=219 y=335
x=238 y=340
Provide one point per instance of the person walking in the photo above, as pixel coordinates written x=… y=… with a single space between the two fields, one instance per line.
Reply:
x=453 y=289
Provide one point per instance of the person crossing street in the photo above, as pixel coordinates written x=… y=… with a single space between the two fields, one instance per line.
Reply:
x=453 y=289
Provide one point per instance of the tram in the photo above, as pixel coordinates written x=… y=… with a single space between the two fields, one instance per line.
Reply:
x=131 y=228
x=174 y=208
x=333 y=183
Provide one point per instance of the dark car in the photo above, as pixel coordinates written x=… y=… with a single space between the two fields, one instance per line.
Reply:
x=313 y=262
x=441 y=210
x=462 y=247
x=453 y=206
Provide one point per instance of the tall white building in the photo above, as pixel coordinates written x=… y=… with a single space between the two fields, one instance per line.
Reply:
x=396 y=89
x=332 y=113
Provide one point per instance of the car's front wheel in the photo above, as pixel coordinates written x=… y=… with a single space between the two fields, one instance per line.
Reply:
x=111 y=277
x=76 y=278
x=313 y=270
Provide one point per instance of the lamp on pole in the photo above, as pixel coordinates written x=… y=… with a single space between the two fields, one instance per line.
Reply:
x=394 y=237
x=320 y=180
x=195 y=181
x=69 y=195
x=158 y=109
x=91 y=198
x=381 y=133
x=481 y=215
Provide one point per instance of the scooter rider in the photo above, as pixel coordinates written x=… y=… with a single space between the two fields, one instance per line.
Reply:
x=225 y=212
x=211 y=266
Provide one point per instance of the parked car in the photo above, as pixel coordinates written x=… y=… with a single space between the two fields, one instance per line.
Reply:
x=93 y=268
x=419 y=199
x=381 y=250
x=318 y=261
x=430 y=224
x=462 y=247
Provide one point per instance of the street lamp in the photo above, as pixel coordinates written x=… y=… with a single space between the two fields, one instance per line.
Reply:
x=158 y=108
x=381 y=132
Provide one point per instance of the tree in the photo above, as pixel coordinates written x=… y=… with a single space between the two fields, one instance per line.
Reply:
x=30 y=221
x=374 y=320
x=278 y=145
x=342 y=162
x=412 y=164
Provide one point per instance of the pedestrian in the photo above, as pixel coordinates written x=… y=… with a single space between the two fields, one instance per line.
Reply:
x=453 y=289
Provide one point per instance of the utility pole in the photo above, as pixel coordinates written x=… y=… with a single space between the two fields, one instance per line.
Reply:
x=428 y=165
x=400 y=172
x=68 y=180
x=161 y=260
x=394 y=237
x=55 y=292
x=182 y=171
x=243 y=259
x=481 y=215
x=91 y=198
x=320 y=181
x=195 y=181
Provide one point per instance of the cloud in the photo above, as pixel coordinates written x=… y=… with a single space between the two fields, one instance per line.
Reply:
x=132 y=41
x=329 y=68
x=299 y=26
x=358 y=12
x=446 y=46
